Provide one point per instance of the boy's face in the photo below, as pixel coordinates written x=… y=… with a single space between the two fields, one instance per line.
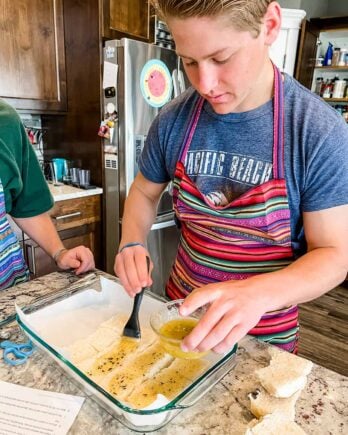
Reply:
x=229 y=68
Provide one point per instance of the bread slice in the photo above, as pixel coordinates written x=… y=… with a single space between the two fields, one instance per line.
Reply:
x=106 y=348
x=116 y=322
x=169 y=382
x=189 y=368
x=165 y=383
x=285 y=374
x=281 y=358
x=262 y=403
x=274 y=424
x=103 y=338
x=142 y=366
x=80 y=351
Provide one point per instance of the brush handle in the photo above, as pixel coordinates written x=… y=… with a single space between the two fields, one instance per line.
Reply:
x=139 y=296
x=137 y=301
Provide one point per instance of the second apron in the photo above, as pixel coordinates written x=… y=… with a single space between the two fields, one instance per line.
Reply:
x=13 y=269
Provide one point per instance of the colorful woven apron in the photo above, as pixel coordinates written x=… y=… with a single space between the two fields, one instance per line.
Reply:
x=13 y=269
x=251 y=235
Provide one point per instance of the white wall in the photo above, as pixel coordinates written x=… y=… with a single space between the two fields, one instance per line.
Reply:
x=313 y=8
x=337 y=8
x=318 y=8
x=290 y=4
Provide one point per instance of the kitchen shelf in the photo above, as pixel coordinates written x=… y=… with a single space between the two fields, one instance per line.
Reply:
x=337 y=100
x=333 y=68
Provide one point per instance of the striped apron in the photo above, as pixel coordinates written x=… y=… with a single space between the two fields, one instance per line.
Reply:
x=13 y=269
x=250 y=235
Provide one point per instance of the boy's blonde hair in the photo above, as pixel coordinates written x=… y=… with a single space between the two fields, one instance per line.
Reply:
x=244 y=15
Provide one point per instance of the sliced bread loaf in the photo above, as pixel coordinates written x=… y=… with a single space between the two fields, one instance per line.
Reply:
x=274 y=424
x=285 y=374
x=262 y=403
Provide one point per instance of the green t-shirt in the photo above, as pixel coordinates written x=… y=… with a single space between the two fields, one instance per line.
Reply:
x=25 y=188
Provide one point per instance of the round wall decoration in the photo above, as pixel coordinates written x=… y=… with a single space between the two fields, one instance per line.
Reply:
x=156 y=83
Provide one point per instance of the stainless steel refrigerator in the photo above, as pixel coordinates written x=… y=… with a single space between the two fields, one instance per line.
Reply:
x=138 y=79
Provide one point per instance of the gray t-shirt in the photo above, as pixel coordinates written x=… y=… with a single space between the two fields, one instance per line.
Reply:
x=232 y=153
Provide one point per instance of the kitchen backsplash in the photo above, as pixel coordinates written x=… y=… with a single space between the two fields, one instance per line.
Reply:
x=35 y=132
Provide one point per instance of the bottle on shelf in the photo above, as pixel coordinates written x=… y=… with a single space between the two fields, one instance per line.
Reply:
x=345 y=114
x=318 y=86
x=339 y=89
x=328 y=55
x=328 y=88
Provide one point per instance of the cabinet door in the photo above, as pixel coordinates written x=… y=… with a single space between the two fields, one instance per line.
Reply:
x=32 y=67
x=307 y=53
x=39 y=263
x=75 y=212
x=127 y=18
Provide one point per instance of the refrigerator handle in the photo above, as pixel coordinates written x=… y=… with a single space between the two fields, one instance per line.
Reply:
x=181 y=81
x=176 y=84
x=161 y=225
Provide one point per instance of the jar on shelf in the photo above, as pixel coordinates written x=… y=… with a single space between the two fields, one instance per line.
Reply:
x=336 y=56
x=319 y=61
x=342 y=61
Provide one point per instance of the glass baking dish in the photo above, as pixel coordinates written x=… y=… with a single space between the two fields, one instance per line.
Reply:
x=54 y=322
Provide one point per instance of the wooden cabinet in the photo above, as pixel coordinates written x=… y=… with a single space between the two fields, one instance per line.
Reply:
x=127 y=18
x=319 y=32
x=32 y=67
x=308 y=49
x=73 y=213
x=78 y=223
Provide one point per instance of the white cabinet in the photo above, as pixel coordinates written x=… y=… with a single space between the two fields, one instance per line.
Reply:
x=283 y=50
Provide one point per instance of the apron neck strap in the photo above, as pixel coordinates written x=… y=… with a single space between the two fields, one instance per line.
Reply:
x=193 y=121
x=278 y=125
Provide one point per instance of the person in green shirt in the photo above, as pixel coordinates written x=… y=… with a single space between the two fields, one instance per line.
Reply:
x=25 y=196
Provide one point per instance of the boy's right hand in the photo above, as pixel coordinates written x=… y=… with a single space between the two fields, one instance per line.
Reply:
x=131 y=269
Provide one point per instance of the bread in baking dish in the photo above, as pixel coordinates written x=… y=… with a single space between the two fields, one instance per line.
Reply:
x=133 y=371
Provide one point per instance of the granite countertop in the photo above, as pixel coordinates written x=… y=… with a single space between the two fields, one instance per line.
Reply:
x=321 y=408
x=64 y=191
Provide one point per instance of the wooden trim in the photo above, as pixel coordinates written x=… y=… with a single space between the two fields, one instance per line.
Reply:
x=300 y=48
x=331 y=23
x=335 y=68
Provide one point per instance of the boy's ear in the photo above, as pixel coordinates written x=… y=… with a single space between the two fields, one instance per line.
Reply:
x=272 y=22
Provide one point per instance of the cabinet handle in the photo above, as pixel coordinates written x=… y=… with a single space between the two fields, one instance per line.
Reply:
x=32 y=266
x=66 y=216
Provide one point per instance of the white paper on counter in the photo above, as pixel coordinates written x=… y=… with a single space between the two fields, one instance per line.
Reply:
x=28 y=411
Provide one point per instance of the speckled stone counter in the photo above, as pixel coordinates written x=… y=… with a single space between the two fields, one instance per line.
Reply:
x=64 y=191
x=321 y=408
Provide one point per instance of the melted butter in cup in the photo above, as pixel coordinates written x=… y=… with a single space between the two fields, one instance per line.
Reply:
x=173 y=332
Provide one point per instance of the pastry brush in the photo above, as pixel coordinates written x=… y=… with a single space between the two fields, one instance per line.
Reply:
x=132 y=328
